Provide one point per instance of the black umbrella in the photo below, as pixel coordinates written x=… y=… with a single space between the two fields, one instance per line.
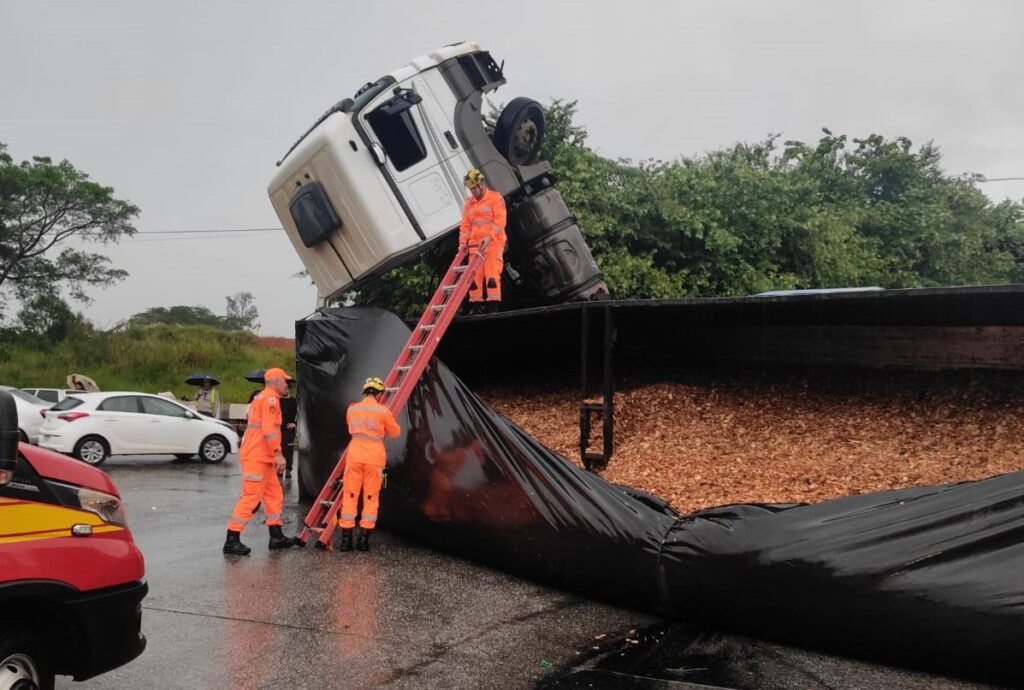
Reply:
x=199 y=379
x=256 y=376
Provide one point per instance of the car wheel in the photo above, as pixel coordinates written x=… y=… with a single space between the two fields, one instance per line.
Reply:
x=92 y=450
x=22 y=664
x=214 y=449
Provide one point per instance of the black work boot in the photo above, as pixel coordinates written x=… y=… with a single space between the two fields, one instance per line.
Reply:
x=233 y=546
x=363 y=540
x=279 y=541
x=346 y=540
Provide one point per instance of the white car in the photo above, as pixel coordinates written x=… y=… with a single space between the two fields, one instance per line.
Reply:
x=50 y=395
x=29 y=417
x=94 y=426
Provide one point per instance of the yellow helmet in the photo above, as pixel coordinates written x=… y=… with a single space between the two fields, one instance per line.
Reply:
x=473 y=178
x=374 y=385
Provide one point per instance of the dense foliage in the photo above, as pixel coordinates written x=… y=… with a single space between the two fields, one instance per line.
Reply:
x=49 y=213
x=142 y=358
x=773 y=214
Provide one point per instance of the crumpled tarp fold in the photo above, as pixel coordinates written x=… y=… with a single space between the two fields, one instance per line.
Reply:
x=927 y=577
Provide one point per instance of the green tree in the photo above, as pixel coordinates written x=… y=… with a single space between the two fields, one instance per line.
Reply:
x=764 y=215
x=46 y=321
x=242 y=314
x=179 y=315
x=47 y=210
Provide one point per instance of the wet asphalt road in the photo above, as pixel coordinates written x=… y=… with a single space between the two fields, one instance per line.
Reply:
x=401 y=616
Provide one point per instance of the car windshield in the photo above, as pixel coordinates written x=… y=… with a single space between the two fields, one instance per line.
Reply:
x=28 y=398
x=67 y=403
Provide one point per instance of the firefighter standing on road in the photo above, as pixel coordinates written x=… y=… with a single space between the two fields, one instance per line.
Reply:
x=261 y=459
x=483 y=217
x=368 y=422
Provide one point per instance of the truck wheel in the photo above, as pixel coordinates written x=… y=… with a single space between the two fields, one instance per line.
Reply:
x=519 y=131
x=92 y=450
x=214 y=449
x=22 y=665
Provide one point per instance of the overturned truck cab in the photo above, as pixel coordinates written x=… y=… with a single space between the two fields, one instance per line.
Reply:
x=378 y=178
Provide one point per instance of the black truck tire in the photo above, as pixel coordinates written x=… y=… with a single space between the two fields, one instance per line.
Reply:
x=519 y=132
x=22 y=659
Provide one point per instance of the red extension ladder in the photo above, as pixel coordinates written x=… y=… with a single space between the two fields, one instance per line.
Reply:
x=402 y=378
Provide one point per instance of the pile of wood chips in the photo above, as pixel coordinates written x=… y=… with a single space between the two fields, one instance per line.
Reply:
x=716 y=443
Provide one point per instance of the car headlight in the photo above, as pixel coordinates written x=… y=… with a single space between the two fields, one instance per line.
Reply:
x=107 y=506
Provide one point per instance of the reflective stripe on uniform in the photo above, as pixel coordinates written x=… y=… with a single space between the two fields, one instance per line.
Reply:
x=368 y=437
x=241 y=520
x=252 y=477
x=275 y=516
x=369 y=518
x=348 y=516
x=270 y=436
x=253 y=426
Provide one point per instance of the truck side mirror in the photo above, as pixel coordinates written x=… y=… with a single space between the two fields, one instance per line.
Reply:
x=8 y=437
x=400 y=103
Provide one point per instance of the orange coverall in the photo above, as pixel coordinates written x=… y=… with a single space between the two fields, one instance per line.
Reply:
x=368 y=422
x=485 y=218
x=259 y=477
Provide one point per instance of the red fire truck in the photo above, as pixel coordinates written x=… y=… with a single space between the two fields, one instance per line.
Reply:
x=71 y=578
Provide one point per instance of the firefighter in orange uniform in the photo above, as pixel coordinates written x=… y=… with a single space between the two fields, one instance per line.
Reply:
x=261 y=460
x=368 y=423
x=483 y=217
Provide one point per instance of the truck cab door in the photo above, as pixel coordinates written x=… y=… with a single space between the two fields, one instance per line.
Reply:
x=408 y=127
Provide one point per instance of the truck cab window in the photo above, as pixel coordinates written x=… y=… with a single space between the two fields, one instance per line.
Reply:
x=395 y=128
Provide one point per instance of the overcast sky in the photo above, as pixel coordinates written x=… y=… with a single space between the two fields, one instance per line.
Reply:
x=183 y=107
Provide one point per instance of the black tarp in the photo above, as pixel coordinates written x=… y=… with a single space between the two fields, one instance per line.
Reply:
x=929 y=577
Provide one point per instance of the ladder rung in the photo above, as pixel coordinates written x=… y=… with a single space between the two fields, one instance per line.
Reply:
x=436 y=315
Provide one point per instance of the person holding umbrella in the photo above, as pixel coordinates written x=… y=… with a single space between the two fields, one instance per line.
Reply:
x=206 y=398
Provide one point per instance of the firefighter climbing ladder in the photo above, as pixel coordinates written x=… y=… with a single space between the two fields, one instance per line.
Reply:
x=402 y=378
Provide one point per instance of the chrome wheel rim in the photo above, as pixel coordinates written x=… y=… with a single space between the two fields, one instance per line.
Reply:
x=92 y=452
x=214 y=450
x=18 y=671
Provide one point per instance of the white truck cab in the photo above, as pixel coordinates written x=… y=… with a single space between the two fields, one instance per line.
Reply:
x=378 y=178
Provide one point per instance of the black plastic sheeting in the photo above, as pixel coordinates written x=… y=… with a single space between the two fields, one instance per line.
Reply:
x=928 y=577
